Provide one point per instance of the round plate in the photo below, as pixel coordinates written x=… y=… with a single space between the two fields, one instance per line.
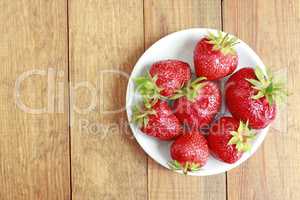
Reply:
x=180 y=45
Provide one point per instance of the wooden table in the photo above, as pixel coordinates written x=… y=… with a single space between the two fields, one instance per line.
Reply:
x=71 y=50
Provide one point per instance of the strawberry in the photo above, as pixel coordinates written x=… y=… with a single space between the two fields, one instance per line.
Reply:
x=228 y=139
x=215 y=57
x=158 y=121
x=197 y=103
x=189 y=152
x=252 y=96
x=164 y=78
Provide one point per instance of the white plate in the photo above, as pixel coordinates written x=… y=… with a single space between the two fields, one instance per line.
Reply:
x=180 y=45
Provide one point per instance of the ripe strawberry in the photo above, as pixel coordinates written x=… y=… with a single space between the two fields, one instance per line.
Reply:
x=251 y=96
x=228 y=139
x=215 y=57
x=158 y=121
x=197 y=103
x=189 y=152
x=164 y=78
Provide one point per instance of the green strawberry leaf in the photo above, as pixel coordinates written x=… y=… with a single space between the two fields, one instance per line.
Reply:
x=174 y=165
x=187 y=167
x=146 y=86
x=242 y=137
x=273 y=90
x=190 y=90
x=140 y=116
x=258 y=95
x=224 y=43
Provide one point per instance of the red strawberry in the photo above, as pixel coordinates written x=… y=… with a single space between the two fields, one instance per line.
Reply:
x=165 y=77
x=228 y=139
x=251 y=96
x=159 y=121
x=215 y=57
x=197 y=104
x=189 y=152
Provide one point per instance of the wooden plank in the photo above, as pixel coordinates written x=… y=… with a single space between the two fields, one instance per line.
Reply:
x=106 y=37
x=34 y=148
x=163 y=17
x=271 y=28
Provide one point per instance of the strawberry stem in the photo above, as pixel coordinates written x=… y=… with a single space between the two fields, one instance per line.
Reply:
x=190 y=91
x=185 y=168
x=266 y=86
x=242 y=137
x=224 y=39
x=140 y=116
x=146 y=86
x=222 y=43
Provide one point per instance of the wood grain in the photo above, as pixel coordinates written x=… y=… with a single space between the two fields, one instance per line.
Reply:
x=34 y=152
x=106 y=38
x=163 y=17
x=271 y=28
